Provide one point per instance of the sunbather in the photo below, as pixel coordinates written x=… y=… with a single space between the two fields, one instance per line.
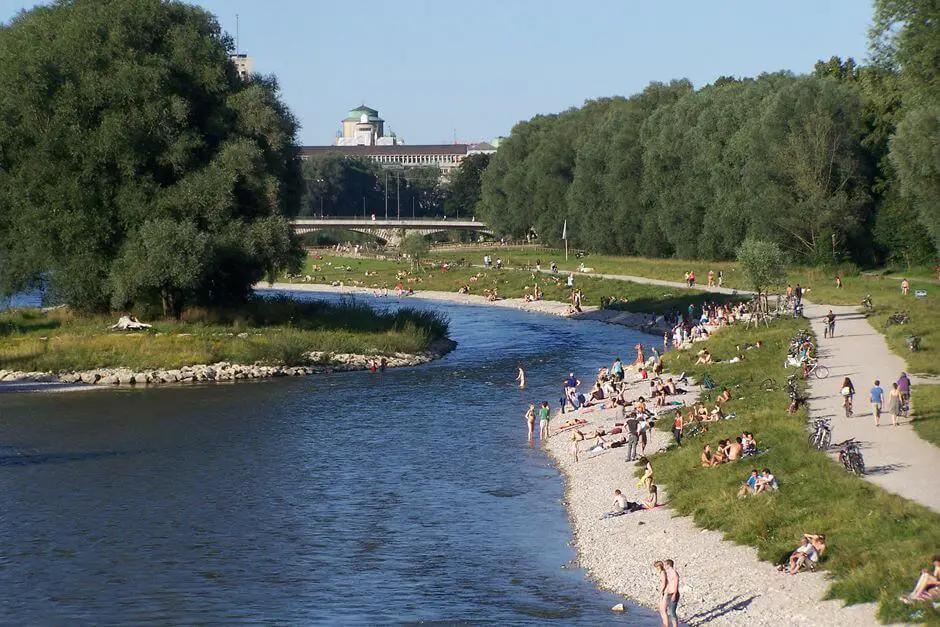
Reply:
x=928 y=584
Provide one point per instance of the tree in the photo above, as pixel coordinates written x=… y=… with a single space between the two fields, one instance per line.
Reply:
x=125 y=133
x=464 y=185
x=915 y=152
x=763 y=265
x=416 y=247
x=905 y=36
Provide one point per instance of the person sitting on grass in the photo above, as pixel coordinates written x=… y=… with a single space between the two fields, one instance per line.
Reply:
x=749 y=443
x=734 y=450
x=704 y=357
x=707 y=460
x=766 y=482
x=749 y=485
x=927 y=586
x=723 y=398
x=720 y=457
x=812 y=547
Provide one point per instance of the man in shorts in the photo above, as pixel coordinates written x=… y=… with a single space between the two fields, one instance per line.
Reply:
x=876 y=396
x=671 y=595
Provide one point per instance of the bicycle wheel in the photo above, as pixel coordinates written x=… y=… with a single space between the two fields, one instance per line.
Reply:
x=858 y=466
x=812 y=440
x=821 y=372
x=768 y=385
x=825 y=440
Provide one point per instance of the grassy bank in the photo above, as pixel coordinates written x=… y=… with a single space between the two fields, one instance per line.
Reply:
x=926 y=415
x=877 y=542
x=510 y=283
x=883 y=286
x=276 y=331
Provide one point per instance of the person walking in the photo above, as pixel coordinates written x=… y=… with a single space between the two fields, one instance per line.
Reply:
x=904 y=385
x=677 y=428
x=894 y=403
x=520 y=377
x=876 y=397
x=543 y=421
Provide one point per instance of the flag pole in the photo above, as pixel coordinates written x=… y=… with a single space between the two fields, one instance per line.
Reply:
x=564 y=236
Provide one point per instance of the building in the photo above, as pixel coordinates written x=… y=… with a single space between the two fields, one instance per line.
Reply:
x=363 y=135
x=244 y=65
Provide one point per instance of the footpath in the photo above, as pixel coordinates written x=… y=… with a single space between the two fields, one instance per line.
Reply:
x=896 y=458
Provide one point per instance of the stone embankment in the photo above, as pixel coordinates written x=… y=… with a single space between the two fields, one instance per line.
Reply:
x=321 y=363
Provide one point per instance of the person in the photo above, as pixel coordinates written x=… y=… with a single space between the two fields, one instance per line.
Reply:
x=830 y=330
x=691 y=278
x=905 y=287
x=720 y=456
x=554 y=267
x=622 y=506
x=721 y=278
x=572 y=381
x=632 y=425
x=749 y=443
x=647 y=478
x=838 y=282
x=711 y=278
x=798 y=294
x=904 y=385
x=672 y=593
x=570 y=280
x=707 y=460
x=806 y=551
x=704 y=357
x=735 y=450
x=652 y=497
x=620 y=501
x=660 y=569
x=520 y=377
x=574 y=444
x=750 y=485
x=876 y=396
x=723 y=398
x=766 y=481
x=616 y=370
x=543 y=421
x=894 y=403
x=848 y=393
x=530 y=419
x=538 y=265
x=927 y=586
x=677 y=428
x=640 y=354
x=383 y=364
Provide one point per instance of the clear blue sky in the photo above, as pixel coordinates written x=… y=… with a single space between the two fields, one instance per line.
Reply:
x=433 y=67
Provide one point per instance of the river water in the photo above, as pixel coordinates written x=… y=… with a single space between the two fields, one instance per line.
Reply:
x=409 y=496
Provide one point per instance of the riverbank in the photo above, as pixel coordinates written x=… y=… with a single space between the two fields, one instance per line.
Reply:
x=723 y=583
x=269 y=337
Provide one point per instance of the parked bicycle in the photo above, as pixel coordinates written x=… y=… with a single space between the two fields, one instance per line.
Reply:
x=913 y=343
x=850 y=456
x=821 y=436
x=898 y=317
x=866 y=304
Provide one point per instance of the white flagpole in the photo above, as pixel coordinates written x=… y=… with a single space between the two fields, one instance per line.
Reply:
x=564 y=236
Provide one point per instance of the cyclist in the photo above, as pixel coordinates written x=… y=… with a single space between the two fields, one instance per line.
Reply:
x=848 y=392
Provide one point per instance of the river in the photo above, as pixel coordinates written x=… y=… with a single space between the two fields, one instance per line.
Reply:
x=353 y=499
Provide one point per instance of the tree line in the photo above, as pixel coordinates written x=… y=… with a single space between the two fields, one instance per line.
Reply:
x=838 y=165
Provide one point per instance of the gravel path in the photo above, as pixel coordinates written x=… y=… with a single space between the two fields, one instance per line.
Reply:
x=722 y=583
x=896 y=458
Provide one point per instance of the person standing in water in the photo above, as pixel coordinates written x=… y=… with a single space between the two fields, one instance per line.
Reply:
x=672 y=593
x=543 y=421
x=530 y=420
x=520 y=377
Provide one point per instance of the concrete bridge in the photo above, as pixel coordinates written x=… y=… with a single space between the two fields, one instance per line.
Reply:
x=391 y=231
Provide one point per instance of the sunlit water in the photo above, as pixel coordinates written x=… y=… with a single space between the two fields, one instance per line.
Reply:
x=358 y=498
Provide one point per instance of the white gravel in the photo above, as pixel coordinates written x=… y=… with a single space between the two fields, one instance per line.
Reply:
x=722 y=583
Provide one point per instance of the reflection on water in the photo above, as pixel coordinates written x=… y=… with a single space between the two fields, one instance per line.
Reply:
x=356 y=498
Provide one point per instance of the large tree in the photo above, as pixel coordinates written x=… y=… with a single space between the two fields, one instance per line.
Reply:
x=136 y=166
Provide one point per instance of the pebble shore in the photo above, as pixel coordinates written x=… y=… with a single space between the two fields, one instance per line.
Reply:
x=722 y=583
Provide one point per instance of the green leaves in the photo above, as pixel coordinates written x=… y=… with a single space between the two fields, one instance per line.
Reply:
x=133 y=159
x=763 y=264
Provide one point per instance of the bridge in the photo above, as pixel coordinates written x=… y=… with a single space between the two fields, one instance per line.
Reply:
x=391 y=231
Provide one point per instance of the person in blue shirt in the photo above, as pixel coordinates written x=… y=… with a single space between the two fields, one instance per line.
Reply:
x=876 y=396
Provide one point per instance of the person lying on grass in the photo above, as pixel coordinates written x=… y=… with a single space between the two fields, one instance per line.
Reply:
x=723 y=398
x=927 y=586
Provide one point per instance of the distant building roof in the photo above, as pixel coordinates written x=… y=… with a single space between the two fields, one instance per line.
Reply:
x=401 y=149
x=481 y=147
x=356 y=114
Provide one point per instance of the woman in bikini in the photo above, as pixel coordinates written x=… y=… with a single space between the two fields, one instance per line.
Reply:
x=530 y=420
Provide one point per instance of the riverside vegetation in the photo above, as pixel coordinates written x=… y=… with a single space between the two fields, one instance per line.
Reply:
x=266 y=331
x=877 y=541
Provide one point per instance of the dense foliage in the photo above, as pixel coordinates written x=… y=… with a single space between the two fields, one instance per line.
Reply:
x=136 y=167
x=807 y=162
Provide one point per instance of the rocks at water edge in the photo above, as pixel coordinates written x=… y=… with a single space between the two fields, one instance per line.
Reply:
x=324 y=363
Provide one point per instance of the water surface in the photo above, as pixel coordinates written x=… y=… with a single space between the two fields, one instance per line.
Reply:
x=356 y=498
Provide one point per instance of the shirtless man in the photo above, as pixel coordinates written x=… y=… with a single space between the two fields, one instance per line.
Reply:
x=671 y=595
x=735 y=449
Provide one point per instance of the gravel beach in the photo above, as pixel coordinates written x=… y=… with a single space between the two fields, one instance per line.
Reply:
x=722 y=583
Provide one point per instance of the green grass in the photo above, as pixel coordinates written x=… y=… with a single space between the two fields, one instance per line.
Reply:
x=883 y=286
x=510 y=283
x=926 y=412
x=271 y=331
x=877 y=542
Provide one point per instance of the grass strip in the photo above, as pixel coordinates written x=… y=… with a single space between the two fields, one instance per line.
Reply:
x=268 y=331
x=925 y=401
x=877 y=541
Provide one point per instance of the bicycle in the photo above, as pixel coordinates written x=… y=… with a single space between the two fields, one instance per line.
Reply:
x=847 y=405
x=851 y=457
x=867 y=305
x=821 y=436
x=769 y=385
x=898 y=318
x=812 y=366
